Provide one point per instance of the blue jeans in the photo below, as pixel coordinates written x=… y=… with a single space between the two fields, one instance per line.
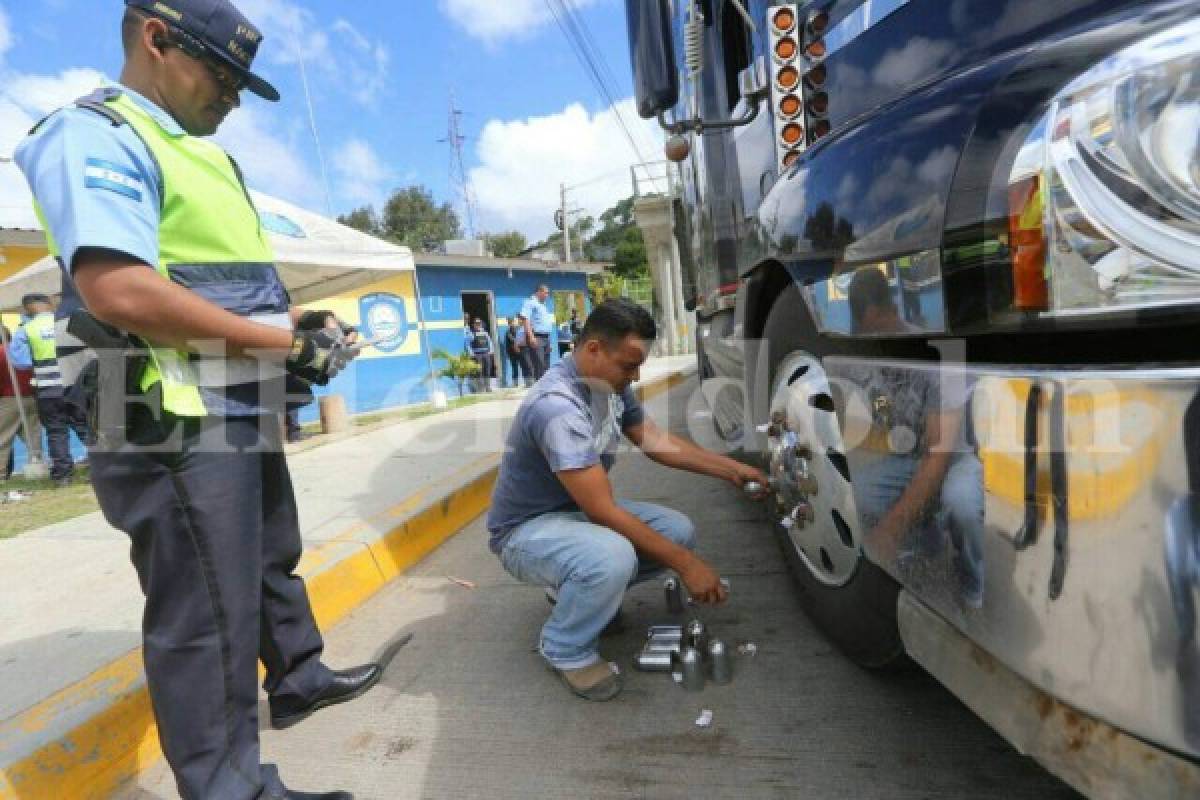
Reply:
x=591 y=567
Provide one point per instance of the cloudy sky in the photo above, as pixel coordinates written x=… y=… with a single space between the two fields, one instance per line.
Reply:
x=381 y=75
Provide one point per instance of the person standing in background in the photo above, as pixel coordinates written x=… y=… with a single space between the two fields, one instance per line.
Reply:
x=15 y=401
x=539 y=323
x=512 y=353
x=58 y=417
x=484 y=352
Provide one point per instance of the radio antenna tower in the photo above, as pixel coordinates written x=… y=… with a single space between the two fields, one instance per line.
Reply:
x=458 y=172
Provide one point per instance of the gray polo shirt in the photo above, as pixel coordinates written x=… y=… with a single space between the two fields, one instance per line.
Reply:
x=562 y=424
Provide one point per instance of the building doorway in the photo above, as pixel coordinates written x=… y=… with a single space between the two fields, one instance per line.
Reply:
x=481 y=305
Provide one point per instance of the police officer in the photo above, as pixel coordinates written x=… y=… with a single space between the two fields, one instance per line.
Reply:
x=158 y=238
x=58 y=417
x=538 y=325
x=484 y=352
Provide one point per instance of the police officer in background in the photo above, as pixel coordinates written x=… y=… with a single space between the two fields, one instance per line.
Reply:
x=158 y=238
x=58 y=417
x=539 y=323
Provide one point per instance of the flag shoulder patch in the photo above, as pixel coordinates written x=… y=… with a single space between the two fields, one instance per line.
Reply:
x=101 y=174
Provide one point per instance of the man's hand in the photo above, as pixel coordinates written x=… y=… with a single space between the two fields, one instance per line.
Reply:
x=702 y=582
x=319 y=355
x=744 y=473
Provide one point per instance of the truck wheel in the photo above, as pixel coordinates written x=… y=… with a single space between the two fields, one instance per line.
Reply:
x=850 y=599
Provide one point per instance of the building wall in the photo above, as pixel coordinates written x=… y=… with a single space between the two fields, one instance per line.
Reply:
x=394 y=373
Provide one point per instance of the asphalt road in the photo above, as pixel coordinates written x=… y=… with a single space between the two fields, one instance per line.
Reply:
x=466 y=710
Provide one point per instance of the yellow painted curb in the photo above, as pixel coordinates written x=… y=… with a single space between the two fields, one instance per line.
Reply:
x=118 y=740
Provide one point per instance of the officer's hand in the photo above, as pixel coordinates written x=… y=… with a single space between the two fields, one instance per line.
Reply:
x=702 y=582
x=318 y=355
x=316 y=320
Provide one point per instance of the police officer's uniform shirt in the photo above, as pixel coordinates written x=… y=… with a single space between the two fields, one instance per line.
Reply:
x=562 y=424
x=539 y=318
x=98 y=186
x=480 y=343
x=18 y=349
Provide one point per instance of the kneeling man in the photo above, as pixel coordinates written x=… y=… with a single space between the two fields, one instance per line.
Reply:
x=554 y=521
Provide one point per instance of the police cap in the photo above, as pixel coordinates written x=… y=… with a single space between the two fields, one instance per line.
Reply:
x=221 y=31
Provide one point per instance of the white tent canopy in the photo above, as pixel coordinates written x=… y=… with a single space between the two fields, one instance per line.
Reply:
x=316 y=257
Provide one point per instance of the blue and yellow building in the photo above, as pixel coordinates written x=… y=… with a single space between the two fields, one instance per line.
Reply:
x=396 y=370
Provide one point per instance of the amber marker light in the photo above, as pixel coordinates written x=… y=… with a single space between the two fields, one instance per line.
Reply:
x=815 y=77
x=817 y=23
x=786 y=49
x=1031 y=290
x=821 y=128
x=791 y=134
x=791 y=157
x=784 y=20
x=788 y=78
x=818 y=103
x=789 y=106
x=815 y=49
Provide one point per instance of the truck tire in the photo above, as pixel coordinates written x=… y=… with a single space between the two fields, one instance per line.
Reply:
x=849 y=598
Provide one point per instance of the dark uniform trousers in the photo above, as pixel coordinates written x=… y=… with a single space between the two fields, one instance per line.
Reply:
x=59 y=418
x=539 y=355
x=215 y=542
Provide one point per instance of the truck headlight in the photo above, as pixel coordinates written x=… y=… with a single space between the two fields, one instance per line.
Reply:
x=1105 y=193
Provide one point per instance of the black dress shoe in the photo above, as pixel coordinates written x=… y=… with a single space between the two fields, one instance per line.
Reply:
x=347 y=684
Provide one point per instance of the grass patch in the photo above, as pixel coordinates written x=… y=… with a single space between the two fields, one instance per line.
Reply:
x=47 y=505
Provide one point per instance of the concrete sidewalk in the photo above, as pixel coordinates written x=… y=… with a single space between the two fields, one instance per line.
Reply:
x=70 y=609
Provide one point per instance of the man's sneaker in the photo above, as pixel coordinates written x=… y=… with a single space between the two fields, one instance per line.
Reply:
x=615 y=626
x=597 y=682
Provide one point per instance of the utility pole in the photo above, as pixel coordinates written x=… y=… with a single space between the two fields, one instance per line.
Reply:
x=566 y=222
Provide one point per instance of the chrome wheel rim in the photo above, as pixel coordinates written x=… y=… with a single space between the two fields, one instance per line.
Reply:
x=812 y=496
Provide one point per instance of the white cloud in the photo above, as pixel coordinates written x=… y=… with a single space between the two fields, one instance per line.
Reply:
x=271 y=160
x=41 y=94
x=522 y=163
x=25 y=99
x=6 y=40
x=289 y=32
x=293 y=34
x=368 y=75
x=494 y=22
x=362 y=177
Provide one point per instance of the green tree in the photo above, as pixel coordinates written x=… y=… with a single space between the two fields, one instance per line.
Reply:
x=506 y=245
x=364 y=219
x=629 y=260
x=410 y=217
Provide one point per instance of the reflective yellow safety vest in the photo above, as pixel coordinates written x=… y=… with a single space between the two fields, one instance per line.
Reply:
x=46 y=376
x=211 y=241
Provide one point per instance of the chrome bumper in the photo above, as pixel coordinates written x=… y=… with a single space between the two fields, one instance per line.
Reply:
x=1055 y=532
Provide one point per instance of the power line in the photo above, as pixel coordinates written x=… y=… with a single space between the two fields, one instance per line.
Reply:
x=590 y=58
